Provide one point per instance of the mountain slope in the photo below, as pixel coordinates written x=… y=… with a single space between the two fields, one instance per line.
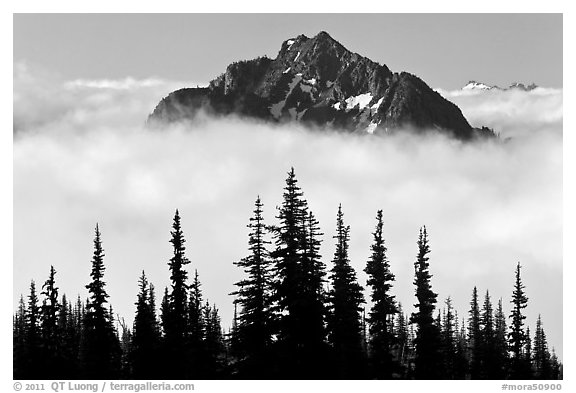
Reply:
x=318 y=81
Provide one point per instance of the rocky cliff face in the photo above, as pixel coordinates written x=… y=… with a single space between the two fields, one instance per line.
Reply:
x=318 y=81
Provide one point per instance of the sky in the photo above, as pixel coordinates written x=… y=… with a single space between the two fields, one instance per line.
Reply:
x=446 y=50
x=81 y=155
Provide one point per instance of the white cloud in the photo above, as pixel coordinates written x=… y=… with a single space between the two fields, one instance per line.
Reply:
x=84 y=157
x=511 y=112
x=114 y=84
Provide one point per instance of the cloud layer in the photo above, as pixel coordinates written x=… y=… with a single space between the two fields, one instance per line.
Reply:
x=81 y=156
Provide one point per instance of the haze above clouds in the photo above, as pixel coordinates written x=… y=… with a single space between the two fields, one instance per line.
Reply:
x=82 y=155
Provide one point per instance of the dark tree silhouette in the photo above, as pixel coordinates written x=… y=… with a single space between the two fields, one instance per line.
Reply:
x=500 y=344
x=175 y=316
x=345 y=298
x=541 y=355
x=213 y=342
x=383 y=306
x=291 y=323
x=51 y=351
x=488 y=353
x=474 y=336
x=300 y=347
x=427 y=339
x=449 y=342
x=517 y=335
x=254 y=297
x=19 y=341
x=145 y=338
x=101 y=349
x=68 y=337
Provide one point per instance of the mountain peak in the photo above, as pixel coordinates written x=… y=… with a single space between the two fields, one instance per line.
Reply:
x=318 y=81
x=324 y=36
x=474 y=85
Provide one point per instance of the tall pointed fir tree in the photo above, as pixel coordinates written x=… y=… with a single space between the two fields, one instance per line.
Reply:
x=529 y=374
x=32 y=355
x=556 y=365
x=383 y=306
x=345 y=298
x=51 y=350
x=488 y=354
x=461 y=342
x=19 y=341
x=474 y=336
x=541 y=355
x=314 y=271
x=145 y=335
x=101 y=348
x=427 y=340
x=500 y=343
x=68 y=340
x=213 y=342
x=449 y=343
x=176 y=319
x=517 y=335
x=297 y=291
x=254 y=297
x=197 y=330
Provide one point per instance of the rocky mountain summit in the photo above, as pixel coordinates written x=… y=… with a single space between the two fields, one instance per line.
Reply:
x=317 y=81
x=473 y=85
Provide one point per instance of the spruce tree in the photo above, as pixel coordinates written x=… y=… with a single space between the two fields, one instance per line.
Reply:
x=176 y=319
x=314 y=271
x=101 y=348
x=51 y=350
x=500 y=344
x=383 y=305
x=487 y=351
x=345 y=298
x=145 y=338
x=213 y=341
x=449 y=343
x=68 y=340
x=556 y=365
x=517 y=335
x=461 y=369
x=297 y=292
x=541 y=354
x=427 y=340
x=197 y=330
x=474 y=336
x=254 y=297
x=19 y=341
x=527 y=356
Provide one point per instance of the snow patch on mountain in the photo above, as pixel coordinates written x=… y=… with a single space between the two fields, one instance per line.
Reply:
x=361 y=101
x=473 y=85
x=371 y=127
x=375 y=107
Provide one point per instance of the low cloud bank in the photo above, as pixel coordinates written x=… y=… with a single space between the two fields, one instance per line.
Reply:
x=81 y=156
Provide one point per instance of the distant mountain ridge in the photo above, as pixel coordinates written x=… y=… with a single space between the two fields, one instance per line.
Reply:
x=318 y=81
x=473 y=85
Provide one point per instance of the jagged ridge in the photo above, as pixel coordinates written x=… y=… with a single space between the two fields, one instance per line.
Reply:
x=318 y=81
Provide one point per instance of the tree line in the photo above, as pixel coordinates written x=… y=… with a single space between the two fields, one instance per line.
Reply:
x=294 y=318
